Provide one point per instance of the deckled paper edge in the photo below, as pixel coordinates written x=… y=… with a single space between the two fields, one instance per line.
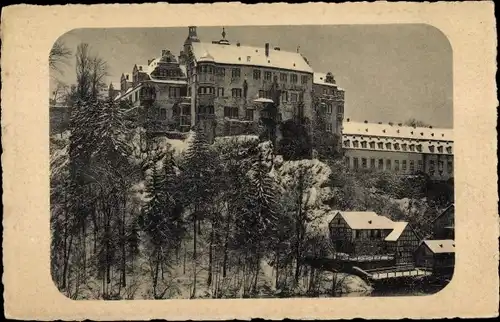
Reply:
x=28 y=32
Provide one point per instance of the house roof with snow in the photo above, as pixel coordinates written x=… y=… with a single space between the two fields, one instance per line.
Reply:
x=320 y=78
x=440 y=246
x=366 y=220
x=398 y=229
x=396 y=131
x=251 y=56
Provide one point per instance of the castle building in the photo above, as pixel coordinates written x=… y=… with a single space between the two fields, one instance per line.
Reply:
x=330 y=98
x=402 y=149
x=226 y=87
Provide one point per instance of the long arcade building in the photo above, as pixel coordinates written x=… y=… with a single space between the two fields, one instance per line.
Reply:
x=402 y=149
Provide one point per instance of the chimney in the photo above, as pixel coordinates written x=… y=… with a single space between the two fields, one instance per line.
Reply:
x=277 y=48
x=267 y=49
x=238 y=44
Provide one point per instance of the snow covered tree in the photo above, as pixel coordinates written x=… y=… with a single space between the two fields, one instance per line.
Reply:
x=198 y=187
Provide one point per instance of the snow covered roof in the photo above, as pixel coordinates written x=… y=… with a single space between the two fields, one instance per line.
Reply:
x=128 y=93
x=263 y=100
x=366 y=220
x=116 y=85
x=167 y=81
x=251 y=56
x=399 y=227
x=143 y=68
x=396 y=131
x=441 y=246
x=320 y=78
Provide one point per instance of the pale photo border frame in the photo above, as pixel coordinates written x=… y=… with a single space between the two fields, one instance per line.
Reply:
x=28 y=33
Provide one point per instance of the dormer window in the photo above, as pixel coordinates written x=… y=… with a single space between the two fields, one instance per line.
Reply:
x=404 y=147
x=440 y=149
x=380 y=145
x=449 y=150
x=431 y=148
x=396 y=146
x=419 y=147
x=363 y=144
x=388 y=146
x=372 y=145
x=355 y=144
x=293 y=78
x=347 y=143
x=412 y=147
x=268 y=76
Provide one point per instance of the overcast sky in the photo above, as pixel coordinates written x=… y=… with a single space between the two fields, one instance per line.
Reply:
x=389 y=72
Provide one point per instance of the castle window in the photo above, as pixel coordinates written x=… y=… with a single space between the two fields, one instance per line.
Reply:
x=355 y=162
x=431 y=148
x=256 y=74
x=372 y=145
x=450 y=166
x=419 y=165
x=380 y=145
x=440 y=149
x=293 y=78
x=388 y=146
x=363 y=163
x=283 y=77
x=236 y=92
x=304 y=79
x=396 y=146
x=449 y=150
x=388 y=164
x=220 y=71
x=235 y=73
x=163 y=113
x=293 y=97
x=380 y=164
x=268 y=76
x=347 y=161
x=174 y=92
x=262 y=93
x=419 y=147
x=363 y=144
x=231 y=112
x=329 y=108
x=404 y=165
x=404 y=147
x=284 y=96
x=347 y=143
x=355 y=144
x=396 y=165
x=329 y=127
x=372 y=163
x=412 y=166
x=220 y=91
x=249 y=114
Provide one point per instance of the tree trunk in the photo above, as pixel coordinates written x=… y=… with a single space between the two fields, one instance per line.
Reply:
x=226 y=244
x=194 y=255
x=157 y=268
x=210 y=255
x=124 y=274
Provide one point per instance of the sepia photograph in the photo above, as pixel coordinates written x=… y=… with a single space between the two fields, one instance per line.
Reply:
x=289 y=161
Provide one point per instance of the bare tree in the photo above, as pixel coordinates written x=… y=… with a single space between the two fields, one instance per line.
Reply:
x=90 y=72
x=59 y=53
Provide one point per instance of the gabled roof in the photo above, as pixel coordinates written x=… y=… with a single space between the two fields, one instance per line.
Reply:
x=449 y=208
x=366 y=220
x=399 y=227
x=320 y=78
x=440 y=246
x=251 y=56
